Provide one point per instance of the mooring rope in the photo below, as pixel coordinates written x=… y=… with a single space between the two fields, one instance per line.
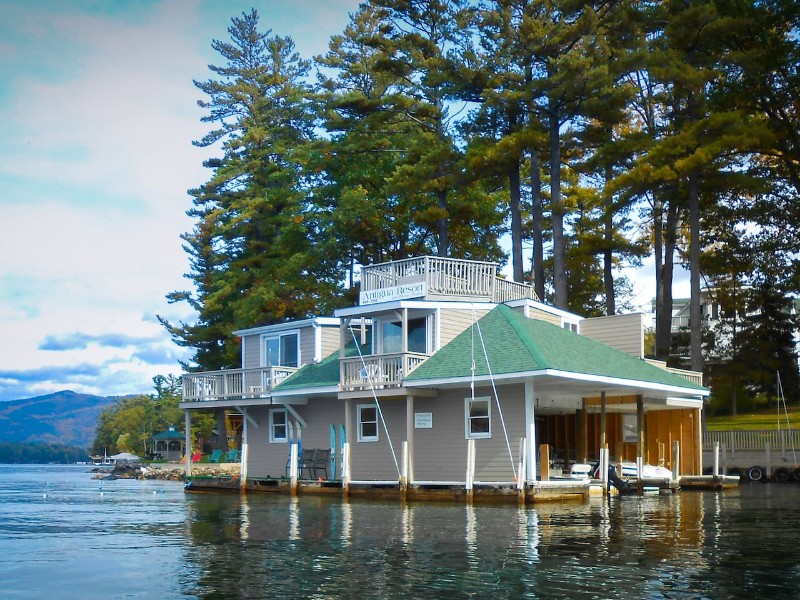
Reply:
x=375 y=397
x=475 y=324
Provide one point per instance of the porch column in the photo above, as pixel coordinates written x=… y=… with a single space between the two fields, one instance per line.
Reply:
x=640 y=442
x=602 y=420
x=187 y=415
x=530 y=432
x=698 y=445
x=404 y=334
x=410 y=437
x=582 y=433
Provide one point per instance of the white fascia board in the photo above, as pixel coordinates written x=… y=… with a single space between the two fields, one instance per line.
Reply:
x=544 y=308
x=383 y=307
x=318 y=321
x=612 y=381
x=330 y=389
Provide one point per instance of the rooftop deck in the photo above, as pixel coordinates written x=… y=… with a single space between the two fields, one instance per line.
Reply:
x=433 y=278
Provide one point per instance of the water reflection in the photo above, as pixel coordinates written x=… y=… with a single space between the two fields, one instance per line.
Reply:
x=689 y=545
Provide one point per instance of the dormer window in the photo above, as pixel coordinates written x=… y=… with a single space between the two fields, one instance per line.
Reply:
x=282 y=350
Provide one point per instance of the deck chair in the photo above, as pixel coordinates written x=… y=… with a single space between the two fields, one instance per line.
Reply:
x=306 y=462
x=322 y=460
x=233 y=456
x=215 y=457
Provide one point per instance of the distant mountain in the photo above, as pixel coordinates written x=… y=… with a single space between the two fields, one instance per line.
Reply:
x=65 y=418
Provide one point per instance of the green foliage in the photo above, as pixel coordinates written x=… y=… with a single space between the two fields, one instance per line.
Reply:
x=22 y=454
x=128 y=425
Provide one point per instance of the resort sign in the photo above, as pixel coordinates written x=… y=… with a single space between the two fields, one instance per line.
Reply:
x=397 y=292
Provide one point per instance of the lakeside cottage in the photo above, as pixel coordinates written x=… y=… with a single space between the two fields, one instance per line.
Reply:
x=448 y=377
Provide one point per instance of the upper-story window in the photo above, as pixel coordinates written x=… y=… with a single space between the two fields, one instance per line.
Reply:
x=392 y=336
x=282 y=350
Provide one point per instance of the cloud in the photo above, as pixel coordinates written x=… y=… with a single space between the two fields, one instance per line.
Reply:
x=79 y=341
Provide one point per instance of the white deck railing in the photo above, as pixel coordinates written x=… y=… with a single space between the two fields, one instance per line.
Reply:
x=445 y=277
x=233 y=383
x=753 y=440
x=693 y=376
x=382 y=371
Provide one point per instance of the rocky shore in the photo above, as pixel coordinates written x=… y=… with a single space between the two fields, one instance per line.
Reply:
x=168 y=472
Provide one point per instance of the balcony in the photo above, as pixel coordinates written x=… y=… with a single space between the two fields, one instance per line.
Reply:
x=233 y=383
x=379 y=372
x=693 y=376
x=433 y=278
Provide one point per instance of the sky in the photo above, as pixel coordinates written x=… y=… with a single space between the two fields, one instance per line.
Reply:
x=98 y=116
x=99 y=112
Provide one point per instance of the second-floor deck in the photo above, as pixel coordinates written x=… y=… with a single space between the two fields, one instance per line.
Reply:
x=377 y=371
x=434 y=278
x=233 y=383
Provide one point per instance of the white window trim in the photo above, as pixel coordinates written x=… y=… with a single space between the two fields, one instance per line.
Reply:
x=430 y=336
x=272 y=438
x=467 y=433
x=362 y=438
x=277 y=336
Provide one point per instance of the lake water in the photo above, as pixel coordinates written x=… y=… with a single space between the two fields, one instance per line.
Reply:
x=66 y=535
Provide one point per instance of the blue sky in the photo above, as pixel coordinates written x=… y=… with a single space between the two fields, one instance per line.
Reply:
x=99 y=112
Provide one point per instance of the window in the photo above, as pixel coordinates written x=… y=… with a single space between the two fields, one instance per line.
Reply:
x=478 y=418
x=278 y=423
x=282 y=350
x=392 y=336
x=573 y=327
x=367 y=423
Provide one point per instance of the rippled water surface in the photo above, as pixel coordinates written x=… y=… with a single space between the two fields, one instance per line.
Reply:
x=65 y=535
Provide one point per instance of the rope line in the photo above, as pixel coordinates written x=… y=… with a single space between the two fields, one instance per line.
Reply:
x=375 y=397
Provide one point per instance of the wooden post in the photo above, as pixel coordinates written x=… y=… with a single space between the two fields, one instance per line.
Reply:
x=544 y=462
x=470 y=468
x=187 y=415
x=293 y=469
x=715 y=471
x=522 y=467
x=676 y=460
x=582 y=433
x=639 y=439
x=346 y=469
x=245 y=453
x=603 y=420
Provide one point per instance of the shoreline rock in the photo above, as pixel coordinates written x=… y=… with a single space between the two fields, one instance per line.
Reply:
x=161 y=472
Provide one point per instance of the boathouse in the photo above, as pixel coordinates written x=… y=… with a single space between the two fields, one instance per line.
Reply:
x=446 y=376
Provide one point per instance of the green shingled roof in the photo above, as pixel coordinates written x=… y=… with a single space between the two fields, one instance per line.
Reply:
x=517 y=344
x=322 y=374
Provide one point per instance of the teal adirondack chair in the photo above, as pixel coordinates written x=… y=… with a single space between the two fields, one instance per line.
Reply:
x=215 y=457
x=233 y=455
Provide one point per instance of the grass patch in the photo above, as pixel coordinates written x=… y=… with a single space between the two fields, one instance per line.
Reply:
x=764 y=419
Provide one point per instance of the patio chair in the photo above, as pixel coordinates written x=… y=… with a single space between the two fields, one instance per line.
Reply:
x=304 y=462
x=322 y=460
x=233 y=456
x=215 y=457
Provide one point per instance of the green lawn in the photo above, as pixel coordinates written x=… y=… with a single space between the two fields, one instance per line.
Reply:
x=759 y=420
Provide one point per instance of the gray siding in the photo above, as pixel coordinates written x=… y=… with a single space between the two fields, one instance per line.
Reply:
x=454 y=321
x=623 y=332
x=269 y=459
x=373 y=460
x=252 y=351
x=440 y=453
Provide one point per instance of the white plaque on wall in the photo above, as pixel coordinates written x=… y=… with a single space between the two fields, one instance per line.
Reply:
x=423 y=420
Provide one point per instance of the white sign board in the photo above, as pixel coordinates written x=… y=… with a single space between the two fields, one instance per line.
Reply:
x=397 y=292
x=423 y=420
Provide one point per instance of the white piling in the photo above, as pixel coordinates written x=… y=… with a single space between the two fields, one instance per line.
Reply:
x=716 y=459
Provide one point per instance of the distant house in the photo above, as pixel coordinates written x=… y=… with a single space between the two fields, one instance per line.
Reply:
x=442 y=356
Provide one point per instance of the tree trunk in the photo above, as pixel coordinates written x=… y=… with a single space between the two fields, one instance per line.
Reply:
x=537 y=261
x=441 y=240
x=557 y=212
x=664 y=286
x=695 y=317
x=608 y=245
x=516 y=222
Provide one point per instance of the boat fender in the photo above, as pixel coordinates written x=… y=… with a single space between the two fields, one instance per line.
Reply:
x=755 y=474
x=781 y=475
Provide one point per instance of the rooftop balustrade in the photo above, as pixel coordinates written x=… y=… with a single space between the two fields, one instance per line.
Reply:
x=434 y=278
